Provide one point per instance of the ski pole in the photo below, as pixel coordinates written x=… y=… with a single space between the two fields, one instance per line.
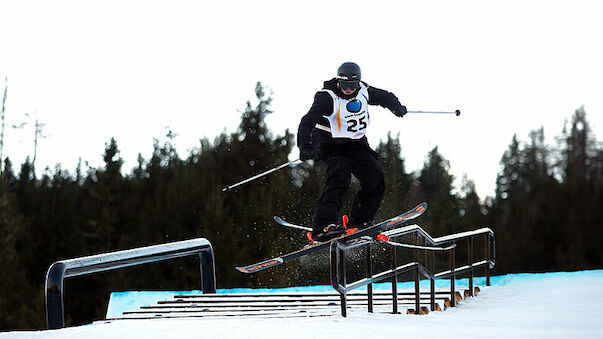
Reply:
x=457 y=112
x=229 y=187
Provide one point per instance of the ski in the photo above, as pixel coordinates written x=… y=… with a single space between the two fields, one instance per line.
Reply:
x=375 y=229
x=382 y=239
x=282 y=222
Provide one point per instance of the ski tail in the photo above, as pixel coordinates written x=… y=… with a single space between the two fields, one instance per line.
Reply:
x=260 y=266
x=282 y=222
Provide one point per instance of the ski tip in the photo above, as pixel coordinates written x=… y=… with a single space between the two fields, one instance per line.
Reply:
x=418 y=210
x=412 y=214
x=278 y=219
x=415 y=212
x=260 y=266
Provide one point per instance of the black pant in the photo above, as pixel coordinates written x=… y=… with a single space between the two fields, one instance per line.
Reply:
x=366 y=168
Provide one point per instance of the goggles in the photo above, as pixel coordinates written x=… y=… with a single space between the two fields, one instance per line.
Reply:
x=348 y=84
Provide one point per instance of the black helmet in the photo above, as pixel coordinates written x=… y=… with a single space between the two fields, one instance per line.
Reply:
x=348 y=71
x=348 y=75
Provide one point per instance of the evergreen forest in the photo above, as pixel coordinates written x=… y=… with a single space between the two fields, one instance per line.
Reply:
x=547 y=211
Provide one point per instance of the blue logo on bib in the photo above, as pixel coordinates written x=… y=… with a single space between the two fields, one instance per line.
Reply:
x=354 y=106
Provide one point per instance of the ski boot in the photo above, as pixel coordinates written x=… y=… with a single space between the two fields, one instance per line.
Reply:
x=330 y=232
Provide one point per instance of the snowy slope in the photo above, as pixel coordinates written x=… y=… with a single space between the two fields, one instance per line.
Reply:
x=563 y=305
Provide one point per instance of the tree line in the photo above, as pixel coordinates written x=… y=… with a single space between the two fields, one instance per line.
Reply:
x=546 y=212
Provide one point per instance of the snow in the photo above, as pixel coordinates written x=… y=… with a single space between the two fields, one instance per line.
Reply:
x=548 y=305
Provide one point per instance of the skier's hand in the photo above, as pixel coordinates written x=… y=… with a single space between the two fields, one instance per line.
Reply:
x=400 y=111
x=306 y=154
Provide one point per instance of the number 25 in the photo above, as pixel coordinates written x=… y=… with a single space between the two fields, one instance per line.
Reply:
x=353 y=123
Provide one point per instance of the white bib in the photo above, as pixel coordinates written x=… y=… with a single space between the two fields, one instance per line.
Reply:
x=350 y=118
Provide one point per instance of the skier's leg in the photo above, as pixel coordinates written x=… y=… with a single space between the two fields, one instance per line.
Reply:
x=337 y=182
x=368 y=170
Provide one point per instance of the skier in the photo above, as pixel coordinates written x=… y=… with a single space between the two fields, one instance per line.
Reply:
x=333 y=130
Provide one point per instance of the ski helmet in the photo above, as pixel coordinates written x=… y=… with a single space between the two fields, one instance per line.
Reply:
x=348 y=75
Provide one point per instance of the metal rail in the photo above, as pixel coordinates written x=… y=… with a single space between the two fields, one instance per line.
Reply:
x=60 y=270
x=338 y=267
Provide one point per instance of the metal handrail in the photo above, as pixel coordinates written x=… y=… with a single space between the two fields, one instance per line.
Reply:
x=60 y=270
x=440 y=240
x=452 y=238
x=338 y=270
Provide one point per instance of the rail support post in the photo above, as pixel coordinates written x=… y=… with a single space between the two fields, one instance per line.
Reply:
x=394 y=281
x=470 y=257
x=432 y=282
x=369 y=275
x=452 y=277
x=54 y=296
x=342 y=281
x=338 y=274
x=417 y=278
x=487 y=249
x=208 y=271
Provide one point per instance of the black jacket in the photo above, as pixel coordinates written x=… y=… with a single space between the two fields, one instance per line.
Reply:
x=320 y=141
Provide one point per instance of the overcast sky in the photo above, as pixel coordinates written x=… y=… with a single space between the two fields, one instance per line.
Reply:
x=92 y=70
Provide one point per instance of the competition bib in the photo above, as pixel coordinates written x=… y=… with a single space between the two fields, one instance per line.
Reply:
x=350 y=118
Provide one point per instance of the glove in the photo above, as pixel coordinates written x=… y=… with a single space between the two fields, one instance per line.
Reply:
x=306 y=154
x=400 y=111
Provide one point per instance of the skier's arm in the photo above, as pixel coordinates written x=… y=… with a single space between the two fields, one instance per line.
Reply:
x=386 y=99
x=322 y=106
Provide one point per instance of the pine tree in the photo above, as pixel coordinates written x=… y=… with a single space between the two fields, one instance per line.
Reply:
x=103 y=187
x=397 y=181
x=471 y=211
x=508 y=180
x=442 y=216
x=579 y=167
x=247 y=233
